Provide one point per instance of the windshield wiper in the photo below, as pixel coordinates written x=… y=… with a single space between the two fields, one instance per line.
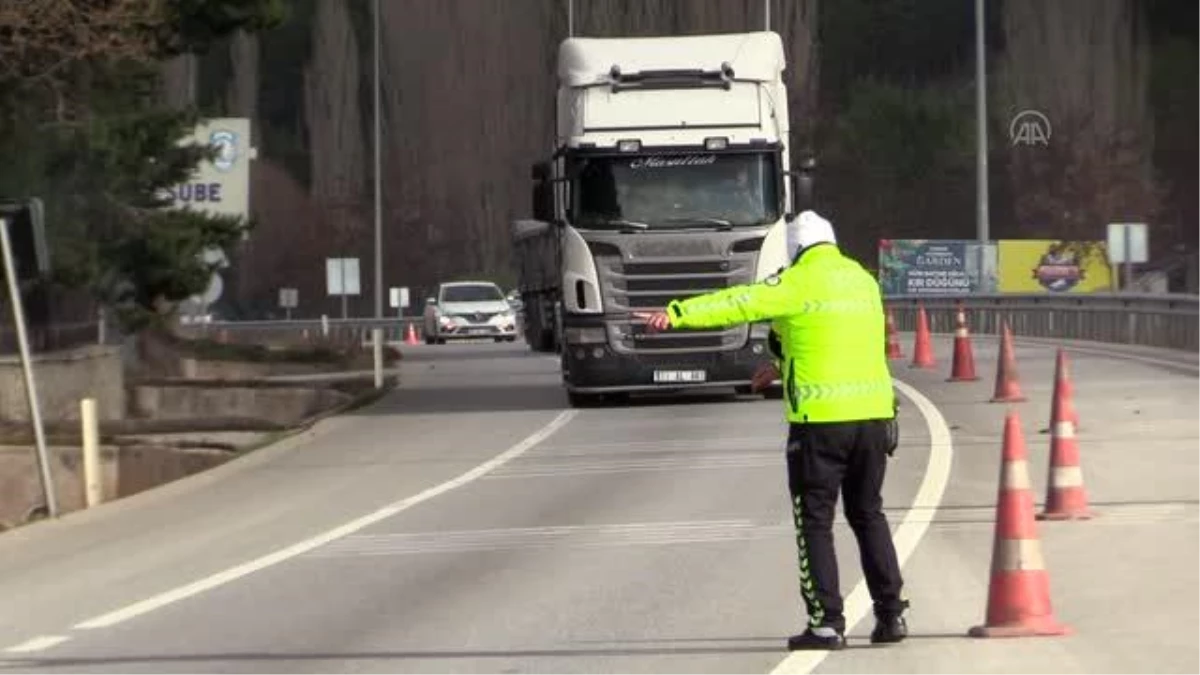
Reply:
x=721 y=223
x=630 y=225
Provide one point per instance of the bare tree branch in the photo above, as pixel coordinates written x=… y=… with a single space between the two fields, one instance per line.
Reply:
x=1084 y=64
x=335 y=122
x=39 y=38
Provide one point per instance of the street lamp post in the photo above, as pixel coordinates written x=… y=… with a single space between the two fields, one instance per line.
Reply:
x=377 y=332
x=981 y=159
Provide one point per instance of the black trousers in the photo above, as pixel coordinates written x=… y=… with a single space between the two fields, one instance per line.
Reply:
x=821 y=459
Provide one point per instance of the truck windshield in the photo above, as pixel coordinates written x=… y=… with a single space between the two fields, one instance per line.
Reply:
x=675 y=190
x=471 y=293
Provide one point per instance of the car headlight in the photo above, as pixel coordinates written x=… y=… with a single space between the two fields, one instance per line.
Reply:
x=445 y=320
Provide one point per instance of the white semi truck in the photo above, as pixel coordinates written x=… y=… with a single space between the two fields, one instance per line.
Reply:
x=668 y=178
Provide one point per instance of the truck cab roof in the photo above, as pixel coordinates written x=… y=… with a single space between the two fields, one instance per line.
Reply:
x=468 y=282
x=756 y=56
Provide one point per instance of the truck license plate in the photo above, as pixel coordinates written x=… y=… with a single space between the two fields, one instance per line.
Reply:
x=680 y=376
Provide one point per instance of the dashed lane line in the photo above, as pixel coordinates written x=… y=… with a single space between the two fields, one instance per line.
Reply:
x=37 y=644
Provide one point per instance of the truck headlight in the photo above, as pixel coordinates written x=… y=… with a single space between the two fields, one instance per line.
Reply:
x=584 y=336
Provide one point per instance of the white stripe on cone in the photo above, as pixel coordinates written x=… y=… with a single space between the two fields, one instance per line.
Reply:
x=1064 y=429
x=1066 y=476
x=1016 y=476
x=1013 y=555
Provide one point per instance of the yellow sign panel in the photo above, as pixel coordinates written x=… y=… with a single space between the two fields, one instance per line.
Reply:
x=1052 y=266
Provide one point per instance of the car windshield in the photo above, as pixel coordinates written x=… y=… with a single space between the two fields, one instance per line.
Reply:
x=678 y=190
x=471 y=293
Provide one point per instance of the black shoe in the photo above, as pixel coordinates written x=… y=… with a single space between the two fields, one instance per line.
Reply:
x=889 y=629
x=808 y=640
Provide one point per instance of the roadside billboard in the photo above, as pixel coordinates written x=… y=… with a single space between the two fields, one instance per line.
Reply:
x=1053 y=266
x=221 y=186
x=936 y=266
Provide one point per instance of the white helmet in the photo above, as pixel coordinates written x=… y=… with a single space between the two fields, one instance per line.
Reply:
x=808 y=229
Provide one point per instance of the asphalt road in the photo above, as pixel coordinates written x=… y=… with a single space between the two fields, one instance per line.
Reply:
x=470 y=522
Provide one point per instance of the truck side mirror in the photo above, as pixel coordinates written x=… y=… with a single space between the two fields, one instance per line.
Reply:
x=801 y=183
x=543 y=209
x=27 y=234
x=543 y=193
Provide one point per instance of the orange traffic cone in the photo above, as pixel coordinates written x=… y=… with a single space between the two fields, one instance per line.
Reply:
x=1066 y=497
x=894 y=351
x=1018 y=602
x=410 y=337
x=963 y=367
x=1008 y=390
x=922 y=348
x=1062 y=382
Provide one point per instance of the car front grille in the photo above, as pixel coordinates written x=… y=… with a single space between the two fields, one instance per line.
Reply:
x=478 y=317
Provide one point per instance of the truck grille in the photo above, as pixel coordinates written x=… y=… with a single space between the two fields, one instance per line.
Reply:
x=651 y=283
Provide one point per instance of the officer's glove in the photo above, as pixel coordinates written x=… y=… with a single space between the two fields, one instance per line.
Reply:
x=893 y=427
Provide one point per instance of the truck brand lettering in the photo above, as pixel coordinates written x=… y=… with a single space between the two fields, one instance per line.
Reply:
x=664 y=162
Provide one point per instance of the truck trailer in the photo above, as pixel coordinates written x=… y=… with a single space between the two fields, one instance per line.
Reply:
x=668 y=177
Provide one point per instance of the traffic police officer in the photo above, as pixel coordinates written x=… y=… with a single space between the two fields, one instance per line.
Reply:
x=829 y=328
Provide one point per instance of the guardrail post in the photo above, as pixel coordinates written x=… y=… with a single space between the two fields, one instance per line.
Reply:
x=1131 y=328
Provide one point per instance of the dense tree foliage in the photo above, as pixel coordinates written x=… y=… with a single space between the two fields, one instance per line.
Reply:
x=87 y=128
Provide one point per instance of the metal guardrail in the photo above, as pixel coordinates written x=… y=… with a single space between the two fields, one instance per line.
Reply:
x=1164 y=320
x=303 y=331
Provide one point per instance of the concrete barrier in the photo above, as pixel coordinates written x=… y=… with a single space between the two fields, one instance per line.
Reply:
x=285 y=404
x=205 y=369
x=124 y=470
x=64 y=378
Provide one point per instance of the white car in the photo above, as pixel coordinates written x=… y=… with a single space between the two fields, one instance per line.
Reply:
x=469 y=310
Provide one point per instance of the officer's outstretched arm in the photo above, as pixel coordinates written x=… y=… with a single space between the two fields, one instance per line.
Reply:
x=777 y=295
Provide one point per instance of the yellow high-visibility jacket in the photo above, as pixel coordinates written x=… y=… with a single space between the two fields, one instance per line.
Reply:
x=828 y=314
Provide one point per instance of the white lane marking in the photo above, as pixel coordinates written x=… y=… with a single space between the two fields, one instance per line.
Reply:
x=37 y=644
x=683 y=463
x=685 y=446
x=233 y=573
x=562 y=536
x=906 y=537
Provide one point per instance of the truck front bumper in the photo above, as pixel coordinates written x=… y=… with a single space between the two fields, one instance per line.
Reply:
x=597 y=368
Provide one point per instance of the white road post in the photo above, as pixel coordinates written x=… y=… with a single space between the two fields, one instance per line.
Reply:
x=93 y=480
